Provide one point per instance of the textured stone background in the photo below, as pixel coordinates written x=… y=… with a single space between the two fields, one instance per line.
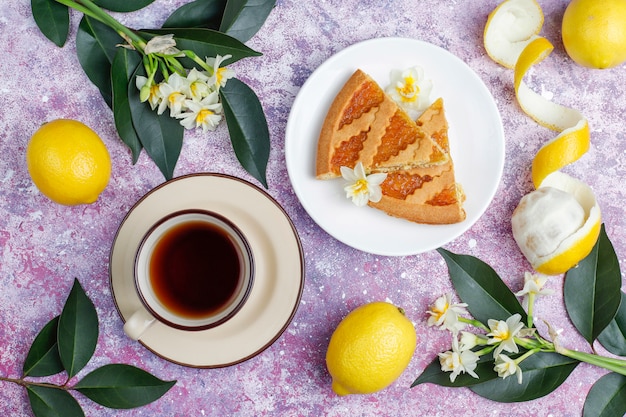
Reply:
x=43 y=246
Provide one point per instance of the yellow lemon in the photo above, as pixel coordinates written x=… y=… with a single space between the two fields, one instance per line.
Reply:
x=558 y=224
x=370 y=349
x=68 y=162
x=594 y=32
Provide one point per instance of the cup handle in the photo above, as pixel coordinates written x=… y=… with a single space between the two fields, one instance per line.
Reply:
x=138 y=323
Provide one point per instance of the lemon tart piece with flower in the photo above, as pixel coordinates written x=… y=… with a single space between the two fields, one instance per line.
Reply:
x=370 y=131
x=364 y=124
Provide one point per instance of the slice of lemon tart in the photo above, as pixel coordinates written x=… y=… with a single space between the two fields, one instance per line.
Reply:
x=426 y=194
x=365 y=125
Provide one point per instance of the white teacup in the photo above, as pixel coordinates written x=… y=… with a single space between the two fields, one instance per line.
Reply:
x=193 y=271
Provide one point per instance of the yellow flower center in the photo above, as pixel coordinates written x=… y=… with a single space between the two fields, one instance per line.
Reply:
x=409 y=89
x=203 y=115
x=220 y=75
x=154 y=91
x=440 y=312
x=503 y=335
x=195 y=87
x=173 y=97
x=360 y=186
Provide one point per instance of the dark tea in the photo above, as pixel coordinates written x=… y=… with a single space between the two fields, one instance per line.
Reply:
x=196 y=270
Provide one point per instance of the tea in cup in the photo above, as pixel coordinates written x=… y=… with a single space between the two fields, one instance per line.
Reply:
x=193 y=271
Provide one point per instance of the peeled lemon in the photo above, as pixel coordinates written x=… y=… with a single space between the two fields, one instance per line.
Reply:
x=557 y=225
x=370 y=349
x=594 y=32
x=68 y=162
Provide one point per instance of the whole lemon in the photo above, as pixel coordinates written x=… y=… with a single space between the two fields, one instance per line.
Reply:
x=370 y=349
x=68 y=162
x=594 y=32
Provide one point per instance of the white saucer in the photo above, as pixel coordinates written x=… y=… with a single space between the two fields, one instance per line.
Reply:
x=279 y=266
x=476 y=145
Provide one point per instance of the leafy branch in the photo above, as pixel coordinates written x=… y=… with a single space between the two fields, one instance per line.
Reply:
x=595 y=305
x=113 y=56
x=66 y=344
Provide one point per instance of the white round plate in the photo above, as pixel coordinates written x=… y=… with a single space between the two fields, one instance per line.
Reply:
x=278 y=261
x=475 y=133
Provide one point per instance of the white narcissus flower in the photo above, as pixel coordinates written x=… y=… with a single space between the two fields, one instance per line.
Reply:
x=445 y=314
x=220 y=74
x=204 y=113
x=533 y=284
x=410 y=90
x=173 y=93
x=458 y=361
x=153 y=91
x=470 y=340
x=197 y=85
x=504 y=333
x=506 y=366
x=164 y=44
x=361 y=187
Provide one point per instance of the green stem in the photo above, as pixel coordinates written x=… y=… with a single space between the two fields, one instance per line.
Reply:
x=92 y=10
x=531 y=304
x=195 y=58
x=474 y=323
x=527 y=354
x=531 y=344
x=485 y=350
x=612 y=364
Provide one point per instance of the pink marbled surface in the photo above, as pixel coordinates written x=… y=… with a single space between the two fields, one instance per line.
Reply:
x=43 y=246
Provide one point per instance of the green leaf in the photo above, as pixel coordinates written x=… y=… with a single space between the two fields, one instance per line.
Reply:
x=124 y=65
x=122 y=386
x=592 y=289
x=542 y=373
x=613 y=337
x=96 y=48
x=197 y=14
x=243 y=18
x=205 y=43
x=123 y=5
x=78 y=330
x=52 y=402
x=478 y=285
x=43 y=357
x=607 y=397
x=434 y=375
x=247 y=126
x=52 y=19
x=160 y=135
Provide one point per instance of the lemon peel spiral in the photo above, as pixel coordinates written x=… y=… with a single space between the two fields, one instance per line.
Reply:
x=574 y=138
x=520 y=22
x=558 y=224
